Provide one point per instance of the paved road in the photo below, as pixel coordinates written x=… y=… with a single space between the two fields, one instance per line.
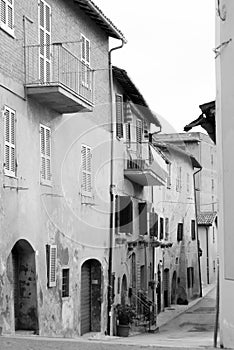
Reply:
x=193 y=329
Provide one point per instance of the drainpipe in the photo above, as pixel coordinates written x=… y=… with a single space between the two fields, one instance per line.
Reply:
x=112 y=186
x=198 y=256
x=207 y=256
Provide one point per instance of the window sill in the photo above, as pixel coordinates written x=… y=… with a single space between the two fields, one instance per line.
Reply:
x=7 y=30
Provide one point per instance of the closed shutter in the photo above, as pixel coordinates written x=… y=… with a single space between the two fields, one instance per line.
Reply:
x=52 y=264
x=153 y=225
x=128 y=134
x=142 y=207
x=9 y=146
x=86 y=160
x=7 y=15
x=119 y=115
x=45 y=145
x=85 y=58
x=138 y=131
x=44 y=42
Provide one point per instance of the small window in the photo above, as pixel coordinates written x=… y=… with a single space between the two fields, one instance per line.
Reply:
x=7 y=16
x=193 y=229
x=119 y=115
x=65 y=283
x=9 y=142
x=161 y=234
x=180 y=229
x=45 y=145
x=86 y=165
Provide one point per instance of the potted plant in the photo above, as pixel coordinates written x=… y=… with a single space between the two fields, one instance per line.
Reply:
x=125 y=315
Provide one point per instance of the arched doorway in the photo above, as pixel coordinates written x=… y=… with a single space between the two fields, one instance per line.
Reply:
x=124 y=290
x=166 y=287
x=173 y=288
x=25 y=291
x=91 y=276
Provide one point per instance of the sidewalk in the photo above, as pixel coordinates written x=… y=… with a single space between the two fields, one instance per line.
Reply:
x=175 y=310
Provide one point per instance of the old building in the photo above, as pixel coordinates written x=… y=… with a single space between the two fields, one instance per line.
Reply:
x=204 y=150
x=54 y=177
x=224 y=53
x=138 y=168
x=177 y=261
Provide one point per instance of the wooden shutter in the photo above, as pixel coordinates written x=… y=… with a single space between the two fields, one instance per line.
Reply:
x=7 y=15
x=52 y=264
x=85 y=58
x=128 y=134
x=119 y=115
x=86 y=160
x=161 y=236
x=45 y=145
x=154 y=224
x=44 y=42
x=142 y=208
x=9 y=146
x=138 y=131
x=193 y=229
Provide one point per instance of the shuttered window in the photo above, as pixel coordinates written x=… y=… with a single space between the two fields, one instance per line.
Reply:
x=166 y=228
x=9 y=142
x=44 y=42
x=119 y=115
x=153 y=224
x=124 y=214
x=86 y=165
x=128 y=134
x=7 y=16
x=51 y=264
x=180 y=231
x=85 y=58
x=45 y=145
x=161 y=235
x=142 y=208
x=65 y=282
x=138 y=131
x=193 y=229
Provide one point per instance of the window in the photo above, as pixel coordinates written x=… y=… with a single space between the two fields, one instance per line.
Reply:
x=65 y=283
x=85 y=58
x=178 y=179
x=45 y=145
x=193 y=229
x=86 y=166
x=213 y=234
x=153 y=224
x=180 y=229
x=161 y=228
x=128 y=134
x=119 y=115
x=9 y=142
x=142 y=207
x=138 y=131
x=44 y=42
x=124 y=214
x=190 y=277
x=168 y=175
x=166 y=228
x=7 y=16
x=51 y=264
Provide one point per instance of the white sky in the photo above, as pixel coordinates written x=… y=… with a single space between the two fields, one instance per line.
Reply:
x=169 y=55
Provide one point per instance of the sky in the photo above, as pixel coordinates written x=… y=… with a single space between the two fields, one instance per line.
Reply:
x=169 y=54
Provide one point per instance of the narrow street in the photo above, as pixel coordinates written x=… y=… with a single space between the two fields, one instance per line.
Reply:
x=193 y=329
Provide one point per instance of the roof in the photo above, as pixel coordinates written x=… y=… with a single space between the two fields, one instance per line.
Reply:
x=206 y=218
x=168 y=147
x=95 y=13
x=134 y=94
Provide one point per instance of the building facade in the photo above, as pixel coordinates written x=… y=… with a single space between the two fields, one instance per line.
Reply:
x=54 y=132
x=177 y=260
x=224 y=135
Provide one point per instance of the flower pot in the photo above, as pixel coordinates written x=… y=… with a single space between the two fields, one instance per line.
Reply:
x=123 y=330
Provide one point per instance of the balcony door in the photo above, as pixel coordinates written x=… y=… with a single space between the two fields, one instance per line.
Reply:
x=44 y=42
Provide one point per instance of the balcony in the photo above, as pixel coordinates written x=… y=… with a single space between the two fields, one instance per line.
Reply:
x=58 y=79
x=144 y=165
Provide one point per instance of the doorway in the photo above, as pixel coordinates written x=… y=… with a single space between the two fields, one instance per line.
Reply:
x=166 y=287
x=25 y=291
x=91 y=276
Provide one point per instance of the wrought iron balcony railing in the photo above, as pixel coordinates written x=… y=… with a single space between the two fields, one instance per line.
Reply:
x=55 y=66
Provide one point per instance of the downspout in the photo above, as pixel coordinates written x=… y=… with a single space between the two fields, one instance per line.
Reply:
x=198 y=245
x=207 y=256
x=112 y=186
